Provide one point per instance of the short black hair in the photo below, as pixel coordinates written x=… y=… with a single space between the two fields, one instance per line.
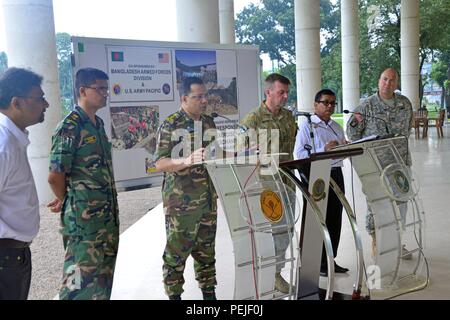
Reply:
x=273 y=77
x=17 y=82
x=86 y=77
x=324 y=92
x=187 y=83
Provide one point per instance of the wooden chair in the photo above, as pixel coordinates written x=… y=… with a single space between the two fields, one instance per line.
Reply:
x=420 y=119
x=439 y=123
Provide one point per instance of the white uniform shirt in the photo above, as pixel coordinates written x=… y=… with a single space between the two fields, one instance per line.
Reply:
x=323 y=133
x=19 y=205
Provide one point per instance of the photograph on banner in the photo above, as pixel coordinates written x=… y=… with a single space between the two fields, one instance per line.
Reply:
x=139 y=74
x=218 y=72
x=134 y=127
x=222 y=92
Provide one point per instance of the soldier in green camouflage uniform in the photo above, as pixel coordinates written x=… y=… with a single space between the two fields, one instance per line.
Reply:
x=396 y=112
x=189 y=198
x=81 y=176
x=271 y=115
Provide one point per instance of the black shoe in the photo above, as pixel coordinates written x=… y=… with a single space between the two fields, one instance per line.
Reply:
x=175 y=297
x=339 y=269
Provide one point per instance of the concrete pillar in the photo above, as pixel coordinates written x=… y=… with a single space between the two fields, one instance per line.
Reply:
x=350 y=55
x=31 y=43
x=307 y=52
x=198 y=21
x=226 y=21
x=409 y=42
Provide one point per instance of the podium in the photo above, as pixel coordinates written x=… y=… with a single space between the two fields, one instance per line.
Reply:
x=314 y=185
x=257 y=205
x=391 y=190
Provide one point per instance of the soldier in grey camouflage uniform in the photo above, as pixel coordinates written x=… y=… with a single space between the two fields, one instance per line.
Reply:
x=395 y=112
x=189 y=198
x=81 y=176
x=271 y=115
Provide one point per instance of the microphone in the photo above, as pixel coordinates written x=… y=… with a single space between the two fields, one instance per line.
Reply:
x=242 y=127
x=297 y=113
x=369 y=116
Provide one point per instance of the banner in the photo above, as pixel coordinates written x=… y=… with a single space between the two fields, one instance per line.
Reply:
x=140 y=74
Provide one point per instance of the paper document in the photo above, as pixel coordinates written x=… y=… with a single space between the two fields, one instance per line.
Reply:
x=368 y=138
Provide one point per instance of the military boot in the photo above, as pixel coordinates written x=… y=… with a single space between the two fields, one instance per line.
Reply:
x=374 y=246
x=281 y=284
x=209 y=294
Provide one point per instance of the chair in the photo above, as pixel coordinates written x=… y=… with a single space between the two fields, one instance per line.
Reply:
x=439 y=123
x=420 y=119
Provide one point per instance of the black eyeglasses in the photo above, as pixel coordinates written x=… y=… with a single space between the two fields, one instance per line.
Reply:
x=99 y=89
x=328 y=103
x=199 y=97
x=41 y=99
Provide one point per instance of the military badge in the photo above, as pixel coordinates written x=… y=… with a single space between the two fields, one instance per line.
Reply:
x=271 y=205
x=401 y=181
x=318 y=190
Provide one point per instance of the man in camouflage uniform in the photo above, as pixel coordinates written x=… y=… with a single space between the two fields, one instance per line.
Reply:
x=189 y=198
x=395 y=112
x=81 y=176
x=271 y=115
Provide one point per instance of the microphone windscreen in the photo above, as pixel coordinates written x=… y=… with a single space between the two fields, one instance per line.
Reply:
x=214 y=114
x=346 y=111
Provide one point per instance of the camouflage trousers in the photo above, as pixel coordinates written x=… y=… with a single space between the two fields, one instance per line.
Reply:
x=190 y=234
x=402 y=206
x=89 y=266
x=370 y=222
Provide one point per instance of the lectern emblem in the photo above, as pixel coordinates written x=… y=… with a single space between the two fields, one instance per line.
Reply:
x=271 y=205
x=401 y=181
x=318 y=190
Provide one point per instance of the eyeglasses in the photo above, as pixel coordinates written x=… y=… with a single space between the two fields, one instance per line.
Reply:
x=199 y=97
x=101 y=90
x=328 y=103
x=41 y=99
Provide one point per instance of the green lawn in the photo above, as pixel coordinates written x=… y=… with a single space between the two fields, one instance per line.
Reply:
x=338 y=117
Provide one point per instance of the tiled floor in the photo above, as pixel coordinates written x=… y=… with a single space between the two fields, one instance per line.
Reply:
x=139 y=274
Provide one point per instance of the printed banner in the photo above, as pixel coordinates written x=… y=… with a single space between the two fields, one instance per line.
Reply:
x=140 y=74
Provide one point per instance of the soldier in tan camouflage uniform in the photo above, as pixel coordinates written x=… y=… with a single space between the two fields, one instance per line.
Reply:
x=189 y=198
x=81 y=176
x=396 y=112
x=271 y=115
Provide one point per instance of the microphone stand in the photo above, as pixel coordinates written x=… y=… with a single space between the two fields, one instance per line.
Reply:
x=311 y=135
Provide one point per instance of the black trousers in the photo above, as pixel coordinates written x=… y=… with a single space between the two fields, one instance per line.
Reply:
x=15 y=273
x=334 y=214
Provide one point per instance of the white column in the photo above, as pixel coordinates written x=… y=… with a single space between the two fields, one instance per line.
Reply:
x=307 y=49
x=409 y=42
x=30 y=42
x=226 y=21
x=350 y=55
x=198 y=21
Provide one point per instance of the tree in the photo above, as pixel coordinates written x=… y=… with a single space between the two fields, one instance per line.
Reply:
x=439 y=75
x=3 y=62
x=270 y=25
x=64 y=54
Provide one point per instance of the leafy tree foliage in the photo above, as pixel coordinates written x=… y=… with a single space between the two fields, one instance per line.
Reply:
x=64 y=50
x=3 y=62
x=271 y=26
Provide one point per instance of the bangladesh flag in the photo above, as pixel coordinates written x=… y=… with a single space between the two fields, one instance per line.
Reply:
x=117 y=55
